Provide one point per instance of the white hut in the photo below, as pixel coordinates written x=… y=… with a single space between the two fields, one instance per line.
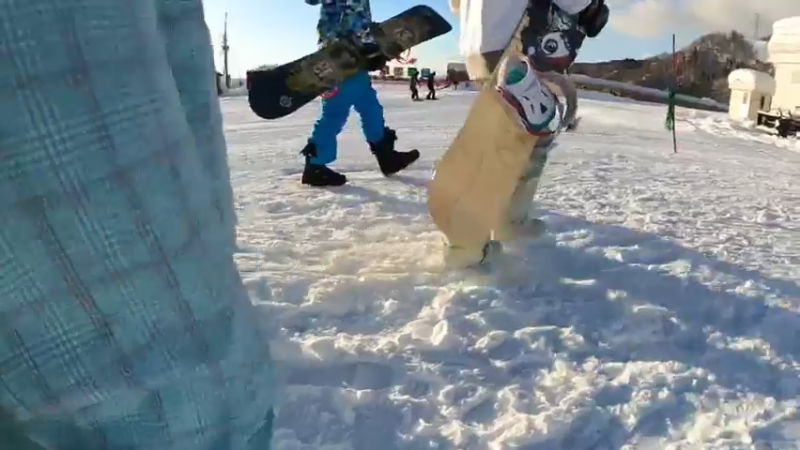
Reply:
x=751 y=92
x=784 y=54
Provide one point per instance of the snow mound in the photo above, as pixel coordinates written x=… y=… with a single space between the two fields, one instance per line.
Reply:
x=661 y=310
x=720 y=125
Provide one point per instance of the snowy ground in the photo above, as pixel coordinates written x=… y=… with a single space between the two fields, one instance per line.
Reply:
x=662 y=311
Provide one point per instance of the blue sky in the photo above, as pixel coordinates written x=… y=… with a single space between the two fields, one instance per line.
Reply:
x=276 y=31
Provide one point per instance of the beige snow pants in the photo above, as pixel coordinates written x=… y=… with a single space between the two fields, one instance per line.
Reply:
x=480 y=68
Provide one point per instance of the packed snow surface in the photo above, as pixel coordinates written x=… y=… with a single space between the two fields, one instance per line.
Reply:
x=661 y=310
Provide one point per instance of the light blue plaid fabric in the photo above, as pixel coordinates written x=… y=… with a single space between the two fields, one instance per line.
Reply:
x=123 y=321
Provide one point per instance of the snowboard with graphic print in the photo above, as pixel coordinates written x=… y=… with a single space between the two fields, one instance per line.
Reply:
x=486 y=181
x=279 y=91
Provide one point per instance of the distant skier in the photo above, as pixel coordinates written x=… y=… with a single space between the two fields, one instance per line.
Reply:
x=350 y=19
x=551 y=37
x=431 y=87
x=413 y=84
x=450 y=80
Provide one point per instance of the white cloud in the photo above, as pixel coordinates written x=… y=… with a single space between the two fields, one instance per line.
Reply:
x=645 y=18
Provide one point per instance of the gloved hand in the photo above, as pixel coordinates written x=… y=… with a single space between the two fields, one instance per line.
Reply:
x=375 y=59
x=594 y=18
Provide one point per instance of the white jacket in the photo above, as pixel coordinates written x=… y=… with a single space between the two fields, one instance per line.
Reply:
x=487 y=25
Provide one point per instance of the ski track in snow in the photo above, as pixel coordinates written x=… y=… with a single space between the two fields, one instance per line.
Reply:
x=661 y=311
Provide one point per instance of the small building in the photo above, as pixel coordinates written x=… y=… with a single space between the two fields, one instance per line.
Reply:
x=784 y=54
x=457 y=71
x=751 y=91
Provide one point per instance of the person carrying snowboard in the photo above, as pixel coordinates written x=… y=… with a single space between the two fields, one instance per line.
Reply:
x=413 y=84
x=546 y=101
x=431 y=87
x=350 y=19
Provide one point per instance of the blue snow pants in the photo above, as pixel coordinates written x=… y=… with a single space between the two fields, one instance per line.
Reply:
x=358 y=93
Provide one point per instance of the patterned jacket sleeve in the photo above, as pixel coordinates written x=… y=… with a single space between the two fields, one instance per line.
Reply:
x=341 y=18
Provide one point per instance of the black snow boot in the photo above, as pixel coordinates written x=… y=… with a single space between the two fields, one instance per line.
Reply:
x=319 y=175
x=390 y=160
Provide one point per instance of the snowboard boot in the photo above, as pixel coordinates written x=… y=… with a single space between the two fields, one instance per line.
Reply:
x=319 y=175
x=390 y=160
x=538 y=109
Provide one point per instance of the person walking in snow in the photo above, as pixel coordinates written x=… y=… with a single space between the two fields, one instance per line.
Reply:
x=431 y=86
x=552 y=34
x=350 y=19
x=413 y=84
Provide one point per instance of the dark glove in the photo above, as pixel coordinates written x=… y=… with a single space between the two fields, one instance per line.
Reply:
x=375 y=59
x=377 y=63
x=594 y=18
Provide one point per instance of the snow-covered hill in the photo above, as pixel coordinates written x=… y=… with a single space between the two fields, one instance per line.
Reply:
x=662 y=310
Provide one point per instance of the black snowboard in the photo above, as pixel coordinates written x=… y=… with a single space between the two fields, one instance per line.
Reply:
x=282 y=90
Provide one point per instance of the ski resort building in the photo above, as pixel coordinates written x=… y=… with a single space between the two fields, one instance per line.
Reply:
x=751 y=91
x=457 y=71
x=784 y=54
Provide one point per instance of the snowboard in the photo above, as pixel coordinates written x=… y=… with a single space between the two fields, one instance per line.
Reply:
x=490 y=173
x=280 y=91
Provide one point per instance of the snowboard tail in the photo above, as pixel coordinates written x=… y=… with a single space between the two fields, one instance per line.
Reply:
x=470 y=196
x=277 y=92
x=489 y=174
